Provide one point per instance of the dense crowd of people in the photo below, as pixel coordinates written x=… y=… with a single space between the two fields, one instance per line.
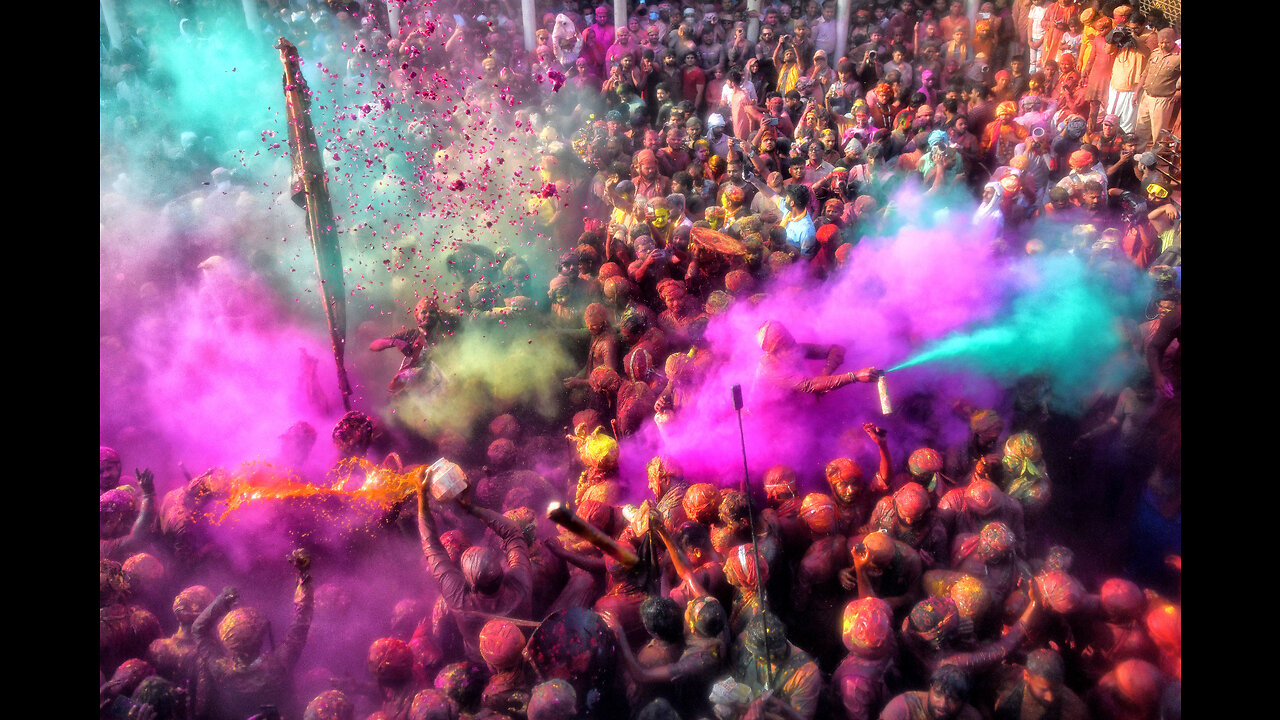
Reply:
x=691 y=159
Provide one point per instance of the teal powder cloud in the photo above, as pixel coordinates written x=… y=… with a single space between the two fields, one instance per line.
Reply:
x=1059 y=321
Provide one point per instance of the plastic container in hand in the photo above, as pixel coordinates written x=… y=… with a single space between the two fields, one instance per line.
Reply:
x=447 y=480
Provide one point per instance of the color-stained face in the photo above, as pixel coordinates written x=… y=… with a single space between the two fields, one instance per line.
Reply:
x=846 y=490
x=657 y=481
x=1092 y=199
x=660 y=217
x=943 y=706
x=108 y=473
x=1042 y=689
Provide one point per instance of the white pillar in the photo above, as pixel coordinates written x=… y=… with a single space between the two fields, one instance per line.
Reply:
x=112 y=20
x=844 y=16
x=753 y=24
x=393 y=16
x=530 y=24
x=251 y=19
x=619 y=14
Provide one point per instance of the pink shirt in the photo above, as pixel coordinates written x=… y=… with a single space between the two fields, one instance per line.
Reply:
x=742 y=123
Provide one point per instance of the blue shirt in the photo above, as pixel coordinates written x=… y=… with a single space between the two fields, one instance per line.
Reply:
x=801 y=234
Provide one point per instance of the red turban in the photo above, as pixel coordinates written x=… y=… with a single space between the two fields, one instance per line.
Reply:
x=1139 y=682
x=608 y=270
x=505 y=426
x=739 y=281
x=774 y=336
x=925 y=461
x=998 y=538
x=818 y=511
x=670 y=290
x=501 y=643
x=604 y=379
x=864 y=204
x=454 y=543
x=553 y=699
x=933 y=618
x=595 y=314
x=1062 y=593
x=1122 y=600
x=637 y=364
x=983 y=422
x=867 y=627
x=912 y=502
x=981 y=496
x=189 y=603
x=390 y=661
x=843 y=252
x=701 y=501
x=330 y=705
x=145 y=568
x=740 y=568
x=616 y=288
x=1080 y=159
x=827 y=233
x=590 y=418
x=132 y=672
x=971 y=597
x=734 y=194
x=880 y=548
x=778 y=480
x=241 y=631
x=559 y=282
x=843 y=469
x=501 y=453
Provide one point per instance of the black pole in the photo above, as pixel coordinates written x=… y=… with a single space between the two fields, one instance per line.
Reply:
x=755 y=546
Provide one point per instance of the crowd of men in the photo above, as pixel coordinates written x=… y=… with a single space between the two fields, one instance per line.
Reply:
x=690 y=157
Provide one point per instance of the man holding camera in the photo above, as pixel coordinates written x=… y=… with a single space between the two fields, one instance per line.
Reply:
x=1127 y=69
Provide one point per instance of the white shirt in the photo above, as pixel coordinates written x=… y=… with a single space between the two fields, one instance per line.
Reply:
x=1034 y=16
